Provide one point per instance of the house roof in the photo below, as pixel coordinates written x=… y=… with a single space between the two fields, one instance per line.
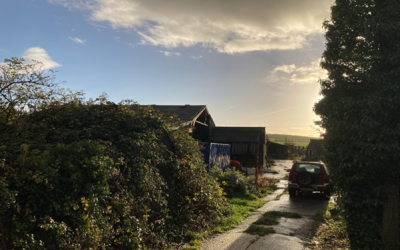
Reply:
x=186 y=113
x=237 y=134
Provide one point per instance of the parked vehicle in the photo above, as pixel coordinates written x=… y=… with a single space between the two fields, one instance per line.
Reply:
x=309 y=177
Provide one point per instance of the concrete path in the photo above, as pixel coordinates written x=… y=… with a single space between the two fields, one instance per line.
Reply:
x=280 y=169
x=291 y=234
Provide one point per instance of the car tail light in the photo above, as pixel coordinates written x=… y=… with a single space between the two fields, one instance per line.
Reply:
x=291 y=176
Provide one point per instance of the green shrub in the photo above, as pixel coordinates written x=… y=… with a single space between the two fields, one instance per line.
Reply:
x=245 y=185
x=104 y=176
x=69 y=197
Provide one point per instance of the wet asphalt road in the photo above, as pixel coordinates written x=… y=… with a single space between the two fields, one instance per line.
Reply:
x=290 y=234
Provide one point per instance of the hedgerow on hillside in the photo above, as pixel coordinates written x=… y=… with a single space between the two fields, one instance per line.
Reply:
x=100 y=175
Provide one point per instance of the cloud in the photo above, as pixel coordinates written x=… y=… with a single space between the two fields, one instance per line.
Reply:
x=78 y=40
x=285 y=68
x=276 y=93
x=276 y=85
x=296 y=75
x=196 y=57
x=168 y=53
x=40 y=55
x=232 y=26
x=230 y=107
x=117 y=38
x=278 y=111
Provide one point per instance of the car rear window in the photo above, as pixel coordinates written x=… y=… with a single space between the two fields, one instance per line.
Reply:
x=311 y=168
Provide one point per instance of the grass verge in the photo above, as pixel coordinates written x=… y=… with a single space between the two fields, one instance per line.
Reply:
x=270 y=218
x=242 y=206
x=279 y=196
x=324 y=213
x=261 y=231
x=331 y=232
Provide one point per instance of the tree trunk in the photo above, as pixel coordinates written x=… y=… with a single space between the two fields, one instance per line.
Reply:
x=390 y=224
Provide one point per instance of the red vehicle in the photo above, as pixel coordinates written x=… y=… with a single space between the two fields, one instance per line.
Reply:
x=309 y=177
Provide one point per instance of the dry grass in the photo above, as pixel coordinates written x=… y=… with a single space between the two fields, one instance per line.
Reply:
x=266 y=181
x=331 y=233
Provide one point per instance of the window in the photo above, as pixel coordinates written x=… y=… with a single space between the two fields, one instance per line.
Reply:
x=311 y=168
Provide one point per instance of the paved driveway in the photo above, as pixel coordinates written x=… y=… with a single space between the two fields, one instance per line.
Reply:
x=291 y=234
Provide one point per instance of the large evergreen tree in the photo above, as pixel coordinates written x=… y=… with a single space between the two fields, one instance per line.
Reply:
x=360 y=112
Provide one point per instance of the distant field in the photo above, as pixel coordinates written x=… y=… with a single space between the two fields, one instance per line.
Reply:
x=296 y=139
x=301 y=144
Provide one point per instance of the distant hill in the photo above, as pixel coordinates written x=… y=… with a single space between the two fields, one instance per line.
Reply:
x=296 y=139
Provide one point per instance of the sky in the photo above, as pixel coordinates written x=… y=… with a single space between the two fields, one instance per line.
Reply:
x=253 y=63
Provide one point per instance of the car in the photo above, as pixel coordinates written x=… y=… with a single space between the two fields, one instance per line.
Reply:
x=309 y=177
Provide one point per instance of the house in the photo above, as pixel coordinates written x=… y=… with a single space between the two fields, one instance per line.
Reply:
x=248 y=144
x=277 y=151
x=299 y=150
x=196 y=118
x=315 y=149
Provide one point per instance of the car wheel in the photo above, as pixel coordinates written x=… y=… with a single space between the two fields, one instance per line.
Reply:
x=292 y=192
x=304 y=178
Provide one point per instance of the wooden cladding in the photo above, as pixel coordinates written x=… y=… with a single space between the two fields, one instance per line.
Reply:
x=243 y=148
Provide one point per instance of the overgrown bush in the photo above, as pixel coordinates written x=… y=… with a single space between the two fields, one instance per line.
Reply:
x=102 y=176
x=245 y=185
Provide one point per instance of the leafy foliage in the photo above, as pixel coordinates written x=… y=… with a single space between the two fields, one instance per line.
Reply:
x=243 y=197
x=28 y=87
x=100 y=175
x=359 y=111
x=245 y=185
x=324 y=213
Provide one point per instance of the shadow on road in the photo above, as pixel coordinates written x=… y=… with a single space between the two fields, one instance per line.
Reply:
x=290 y=234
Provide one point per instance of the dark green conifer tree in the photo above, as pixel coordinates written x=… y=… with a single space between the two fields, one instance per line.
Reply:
x=360 y=112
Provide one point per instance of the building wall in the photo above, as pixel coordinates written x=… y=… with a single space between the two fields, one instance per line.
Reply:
x=262 y=161
x=277 y=151
x=201 y=132
x=203 y=127
x=244 y=147
x=299 y=150
x=315 y=149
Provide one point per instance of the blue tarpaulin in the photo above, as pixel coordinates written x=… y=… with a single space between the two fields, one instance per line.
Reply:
x=218 y=153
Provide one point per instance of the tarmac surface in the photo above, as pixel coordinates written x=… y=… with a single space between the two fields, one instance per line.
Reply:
x=290 y=234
